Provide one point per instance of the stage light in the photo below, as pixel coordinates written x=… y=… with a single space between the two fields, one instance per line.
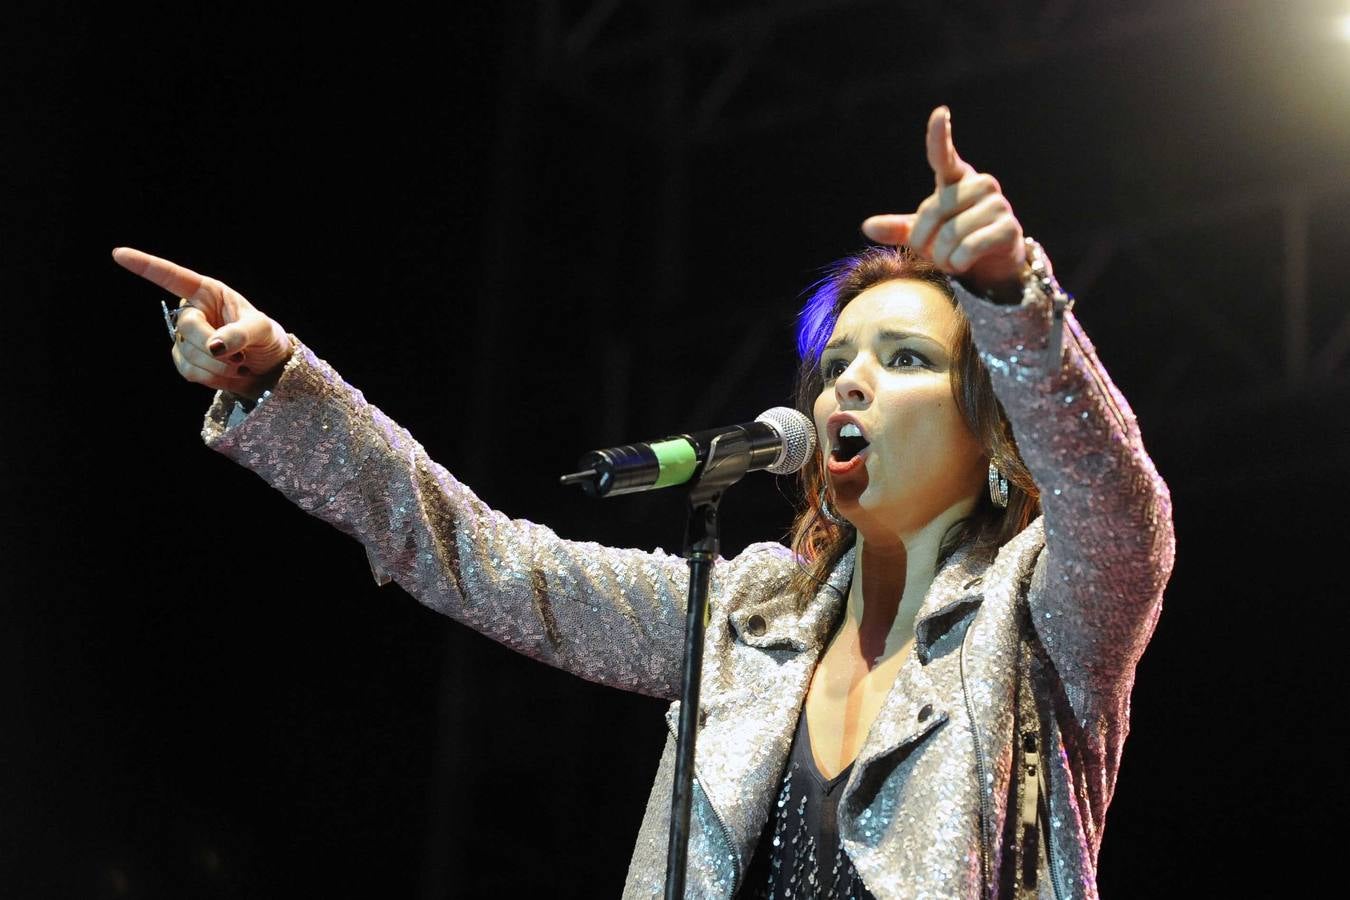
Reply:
x=1343 y=27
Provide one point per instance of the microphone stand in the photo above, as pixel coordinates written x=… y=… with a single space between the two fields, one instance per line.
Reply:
x=727 y=461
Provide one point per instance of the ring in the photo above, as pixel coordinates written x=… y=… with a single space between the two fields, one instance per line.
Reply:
x=171 y=319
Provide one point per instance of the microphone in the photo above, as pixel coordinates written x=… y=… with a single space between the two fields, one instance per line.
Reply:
x=780 y=440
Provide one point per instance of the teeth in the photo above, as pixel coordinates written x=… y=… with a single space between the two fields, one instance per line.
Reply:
x=850 y=430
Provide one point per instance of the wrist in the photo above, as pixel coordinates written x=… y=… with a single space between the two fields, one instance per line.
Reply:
x=267 y=381
x=248 y=404
x=1042 y=287
x=1007 y=293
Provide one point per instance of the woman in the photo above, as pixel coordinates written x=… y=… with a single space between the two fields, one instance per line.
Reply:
x=929 y=696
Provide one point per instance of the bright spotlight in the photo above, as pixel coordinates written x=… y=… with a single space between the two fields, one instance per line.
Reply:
x=1343 y=27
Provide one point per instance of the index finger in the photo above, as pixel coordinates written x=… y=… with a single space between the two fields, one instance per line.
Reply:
x=947 y=167
x=172 y=277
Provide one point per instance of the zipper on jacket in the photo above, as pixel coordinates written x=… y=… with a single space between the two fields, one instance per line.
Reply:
x=1060 y=893
x=1034 y=756
x=1101 y=386
x=980 y=768
x=1033 y=760
x=726 y=836
x=721 y=823
x=1031 y=831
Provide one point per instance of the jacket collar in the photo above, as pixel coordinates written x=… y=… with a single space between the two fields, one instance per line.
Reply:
x=776 y=621
x=956 y=589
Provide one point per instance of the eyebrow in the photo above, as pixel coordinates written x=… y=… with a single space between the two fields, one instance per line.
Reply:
x=886 y=336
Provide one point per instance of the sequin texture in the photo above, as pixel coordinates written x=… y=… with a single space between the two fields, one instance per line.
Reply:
x=911 y=817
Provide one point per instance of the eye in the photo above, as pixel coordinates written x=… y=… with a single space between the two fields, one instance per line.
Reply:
x=908 y=359
x=833 y=368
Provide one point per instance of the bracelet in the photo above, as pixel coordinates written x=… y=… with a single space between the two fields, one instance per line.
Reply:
x=1041 y=283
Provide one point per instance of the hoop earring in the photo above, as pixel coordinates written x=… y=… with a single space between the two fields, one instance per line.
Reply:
x=830 y=515
x=998 y=486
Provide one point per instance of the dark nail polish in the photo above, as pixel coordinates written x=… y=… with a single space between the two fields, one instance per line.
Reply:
x=238 y=357
x=245 y=370
x=216 y=347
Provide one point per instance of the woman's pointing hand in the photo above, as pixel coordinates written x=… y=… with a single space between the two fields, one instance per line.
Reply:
x=966 y=226
x=223 y=341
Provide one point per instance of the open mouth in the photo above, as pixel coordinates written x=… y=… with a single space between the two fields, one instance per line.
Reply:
x=848 y=447
x=849 y=443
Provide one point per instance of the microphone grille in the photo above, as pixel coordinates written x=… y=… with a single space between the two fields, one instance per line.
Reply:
x=798 y=434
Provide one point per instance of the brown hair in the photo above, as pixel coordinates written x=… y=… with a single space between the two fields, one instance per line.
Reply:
x=817 y=542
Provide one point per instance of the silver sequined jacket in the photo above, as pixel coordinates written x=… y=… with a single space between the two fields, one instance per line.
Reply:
x=1091 y=571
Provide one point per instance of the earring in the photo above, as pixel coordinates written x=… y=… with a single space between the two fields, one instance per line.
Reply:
x=998 y=486
x=830 y=515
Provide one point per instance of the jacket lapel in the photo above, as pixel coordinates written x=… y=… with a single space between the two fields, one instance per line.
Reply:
x=916 y=702
x=745 y=730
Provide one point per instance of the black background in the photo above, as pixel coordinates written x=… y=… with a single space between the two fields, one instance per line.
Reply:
x=205 y=695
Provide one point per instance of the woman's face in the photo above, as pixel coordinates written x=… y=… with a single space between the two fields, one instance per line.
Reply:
x=898 y=452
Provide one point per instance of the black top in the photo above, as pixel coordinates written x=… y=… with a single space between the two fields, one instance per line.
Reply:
x=799 y=854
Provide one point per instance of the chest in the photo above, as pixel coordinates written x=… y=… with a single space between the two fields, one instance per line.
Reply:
x=843 y=700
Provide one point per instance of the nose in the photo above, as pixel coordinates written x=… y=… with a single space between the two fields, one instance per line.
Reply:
x=853 y=388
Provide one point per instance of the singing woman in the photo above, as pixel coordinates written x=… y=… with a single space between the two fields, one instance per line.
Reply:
x=927 y=693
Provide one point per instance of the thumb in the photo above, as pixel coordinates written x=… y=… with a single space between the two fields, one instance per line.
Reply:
x=889 y=229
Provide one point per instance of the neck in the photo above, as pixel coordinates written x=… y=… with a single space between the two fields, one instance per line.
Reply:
x=891 y=577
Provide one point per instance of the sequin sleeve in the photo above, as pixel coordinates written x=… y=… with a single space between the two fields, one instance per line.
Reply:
x=609 y=615
x=1108 y=517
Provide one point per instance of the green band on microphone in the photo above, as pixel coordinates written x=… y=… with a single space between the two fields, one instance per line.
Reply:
x=677 y=460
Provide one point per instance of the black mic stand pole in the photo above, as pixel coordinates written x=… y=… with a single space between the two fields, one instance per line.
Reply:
x=728 y=459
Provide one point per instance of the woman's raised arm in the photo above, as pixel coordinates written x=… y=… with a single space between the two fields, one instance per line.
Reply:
x=1097 y=587
x=1108 y=519
x=614 y=616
